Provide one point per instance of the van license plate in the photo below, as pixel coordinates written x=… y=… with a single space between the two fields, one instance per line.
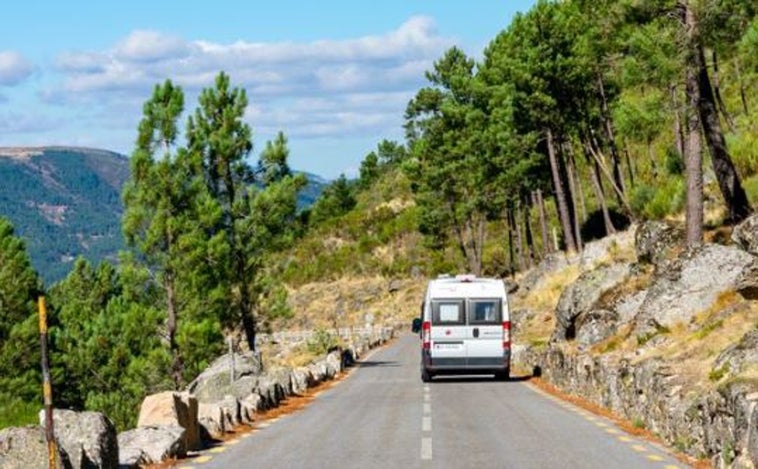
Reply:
x=444 y=346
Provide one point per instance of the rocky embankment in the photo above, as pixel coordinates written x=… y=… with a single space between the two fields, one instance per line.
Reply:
x=668 y=340
x=172 y=423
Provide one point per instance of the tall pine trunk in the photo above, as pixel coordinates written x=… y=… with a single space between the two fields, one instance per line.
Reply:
x=530 y=256
x=599 y=195
x=519 y=238
x=560 y=195
x=546 y=244
x=511 y=251
x=575 y=197
x=171 y=328
x=693 y=160
x=618 y=177
x=729 y=181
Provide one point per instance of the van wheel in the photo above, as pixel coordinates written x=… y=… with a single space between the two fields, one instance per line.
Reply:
x=503 y=375
x=425 y=375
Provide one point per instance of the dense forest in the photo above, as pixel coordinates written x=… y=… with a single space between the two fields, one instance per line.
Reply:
x=579 y=119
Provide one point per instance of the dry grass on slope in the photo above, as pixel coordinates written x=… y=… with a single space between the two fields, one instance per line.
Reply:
x=326 y=307
x=541 y=303
x=349 y=301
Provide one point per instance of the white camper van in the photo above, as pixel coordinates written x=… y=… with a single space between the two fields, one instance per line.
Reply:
x=465 y=327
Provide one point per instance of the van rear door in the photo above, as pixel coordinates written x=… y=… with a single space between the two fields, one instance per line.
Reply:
x=448 y=332
x=484 y=341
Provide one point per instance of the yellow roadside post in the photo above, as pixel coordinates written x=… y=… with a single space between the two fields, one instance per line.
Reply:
x=52 y=450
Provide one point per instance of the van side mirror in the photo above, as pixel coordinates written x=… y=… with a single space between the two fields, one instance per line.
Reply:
x=416 y=325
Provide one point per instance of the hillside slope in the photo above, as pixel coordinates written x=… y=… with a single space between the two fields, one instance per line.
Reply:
x=66 y=202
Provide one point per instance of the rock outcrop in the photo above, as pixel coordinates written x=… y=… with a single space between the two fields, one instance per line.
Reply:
x=577 y=302
x=688 y=285
x=699 y=418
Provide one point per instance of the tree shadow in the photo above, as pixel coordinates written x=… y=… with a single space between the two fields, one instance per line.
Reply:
x=376 y=363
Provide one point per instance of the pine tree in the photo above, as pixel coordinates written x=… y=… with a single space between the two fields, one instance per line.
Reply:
x=20 y=375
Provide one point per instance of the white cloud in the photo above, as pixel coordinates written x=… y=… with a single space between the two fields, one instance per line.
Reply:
x=150 y=46
x=356 y=86
x=14 y=68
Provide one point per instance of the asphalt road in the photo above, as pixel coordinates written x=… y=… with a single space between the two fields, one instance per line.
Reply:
x=383 y=416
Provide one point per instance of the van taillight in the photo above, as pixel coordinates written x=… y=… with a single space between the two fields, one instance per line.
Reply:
x=506 y=334
x=426 y=334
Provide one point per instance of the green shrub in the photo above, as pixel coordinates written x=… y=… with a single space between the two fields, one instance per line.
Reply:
x=322 y=341
x=641 y=195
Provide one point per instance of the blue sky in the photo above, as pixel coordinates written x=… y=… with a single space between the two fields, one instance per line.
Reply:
x=335 y=76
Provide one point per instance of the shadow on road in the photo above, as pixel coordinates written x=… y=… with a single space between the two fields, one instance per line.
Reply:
x=375 y=363
x=481 y=378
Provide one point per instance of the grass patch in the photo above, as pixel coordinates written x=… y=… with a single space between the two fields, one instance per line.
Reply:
x=718 y=373
x=17 y=413
x=708 y=328
x=638 y=423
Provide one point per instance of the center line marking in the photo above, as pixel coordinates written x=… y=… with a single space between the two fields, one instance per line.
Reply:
x=426 y=448
x=426 y=424
x=427 y=408
x=427 y=398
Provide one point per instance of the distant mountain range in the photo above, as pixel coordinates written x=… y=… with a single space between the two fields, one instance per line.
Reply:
x=66 y=202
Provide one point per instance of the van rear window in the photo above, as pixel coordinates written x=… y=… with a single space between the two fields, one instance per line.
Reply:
x=484 y=311
x=448 y=312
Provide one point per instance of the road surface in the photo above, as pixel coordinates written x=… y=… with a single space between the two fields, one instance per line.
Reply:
x=383 y=416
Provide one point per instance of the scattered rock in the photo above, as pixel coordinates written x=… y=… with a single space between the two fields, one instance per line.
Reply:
x=212 y=421
x=605 y=248
x=88 y=438
x=552 y=262
x=747 y=282
x=172 y=408
x=151 y=445
x=26 y=447
x=745 y=235
x=215 y=382
x=656 y=240
x=739 y=356
x=300 y=378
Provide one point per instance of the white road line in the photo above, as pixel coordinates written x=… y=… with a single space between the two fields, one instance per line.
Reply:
x=426 y=424
x=426 y=449
x=427 y=398
x=427 y=408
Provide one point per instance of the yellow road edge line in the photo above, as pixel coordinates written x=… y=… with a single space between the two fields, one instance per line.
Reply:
x=217 y=449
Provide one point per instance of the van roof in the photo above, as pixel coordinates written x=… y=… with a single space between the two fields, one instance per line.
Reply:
x=466 y=286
